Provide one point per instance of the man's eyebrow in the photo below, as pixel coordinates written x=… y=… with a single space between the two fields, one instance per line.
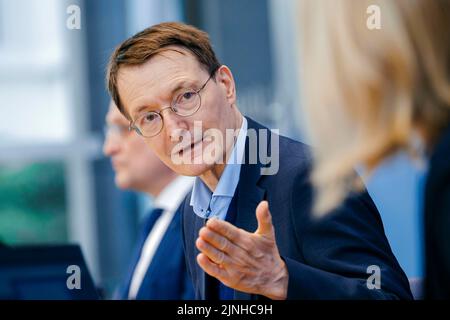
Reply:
x=182 y=84
x=137 y=112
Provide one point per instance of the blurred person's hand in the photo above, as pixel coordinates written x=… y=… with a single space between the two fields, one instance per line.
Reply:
x=244 y=261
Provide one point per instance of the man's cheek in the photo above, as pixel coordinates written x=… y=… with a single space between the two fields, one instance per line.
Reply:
x=153 y=146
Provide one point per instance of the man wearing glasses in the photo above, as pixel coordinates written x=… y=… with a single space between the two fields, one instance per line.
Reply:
x=167 y=81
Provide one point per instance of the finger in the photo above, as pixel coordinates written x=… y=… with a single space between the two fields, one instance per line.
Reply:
x=210 y=267
x=215 y=255
x=264 y=218
x=218 y=240
x=229 y=231
x=237 y=254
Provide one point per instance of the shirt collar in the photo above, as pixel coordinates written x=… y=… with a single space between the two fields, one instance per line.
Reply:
x=201 y=195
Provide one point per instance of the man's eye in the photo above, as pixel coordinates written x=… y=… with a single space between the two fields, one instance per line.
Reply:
x=188 y=95
x=185 y=97
x=150 y=117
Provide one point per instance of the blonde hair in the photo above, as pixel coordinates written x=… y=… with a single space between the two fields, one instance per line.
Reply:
x=367 y=92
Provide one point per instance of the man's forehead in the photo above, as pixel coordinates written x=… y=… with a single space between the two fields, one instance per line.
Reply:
x=171 y=60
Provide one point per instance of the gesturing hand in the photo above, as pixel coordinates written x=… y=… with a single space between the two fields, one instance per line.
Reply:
x=244 y=261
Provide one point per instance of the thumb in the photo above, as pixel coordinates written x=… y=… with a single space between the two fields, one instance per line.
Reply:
x=264 y=219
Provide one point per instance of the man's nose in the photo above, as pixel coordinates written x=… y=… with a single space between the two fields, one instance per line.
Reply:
x=173 y=123
x=110 y=146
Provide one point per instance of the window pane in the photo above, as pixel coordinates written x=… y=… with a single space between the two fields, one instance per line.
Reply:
x=34 y=87
x=32 y=203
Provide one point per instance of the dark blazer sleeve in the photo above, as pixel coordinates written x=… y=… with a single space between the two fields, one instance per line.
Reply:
x=443 y=241
x=338 y=249
x=437 y=244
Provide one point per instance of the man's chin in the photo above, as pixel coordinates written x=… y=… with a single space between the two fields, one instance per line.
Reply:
x=122 y=182
x=192 y=170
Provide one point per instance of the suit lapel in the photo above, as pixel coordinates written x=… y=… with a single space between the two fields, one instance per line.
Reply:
x=147 y=226
x=250 y=194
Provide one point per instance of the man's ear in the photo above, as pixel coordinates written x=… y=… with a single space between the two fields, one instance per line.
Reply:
x=225 y=78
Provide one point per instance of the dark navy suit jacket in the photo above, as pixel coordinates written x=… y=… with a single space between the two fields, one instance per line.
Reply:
x=326 y=258
x=166 y=277
x=437 y=221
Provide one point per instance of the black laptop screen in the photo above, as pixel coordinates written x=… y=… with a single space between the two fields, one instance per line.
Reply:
x=45 y=272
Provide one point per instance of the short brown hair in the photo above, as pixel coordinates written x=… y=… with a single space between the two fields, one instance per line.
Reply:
x=142 y=46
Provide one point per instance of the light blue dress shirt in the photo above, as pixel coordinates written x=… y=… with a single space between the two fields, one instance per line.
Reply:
x=207 y=204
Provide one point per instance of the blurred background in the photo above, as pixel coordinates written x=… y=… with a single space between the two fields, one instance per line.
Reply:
x=55 y=184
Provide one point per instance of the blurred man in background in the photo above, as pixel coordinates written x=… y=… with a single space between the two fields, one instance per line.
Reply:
x=157 y=269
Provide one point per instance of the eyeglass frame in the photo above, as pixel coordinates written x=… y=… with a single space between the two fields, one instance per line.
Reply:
x=132 y=126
